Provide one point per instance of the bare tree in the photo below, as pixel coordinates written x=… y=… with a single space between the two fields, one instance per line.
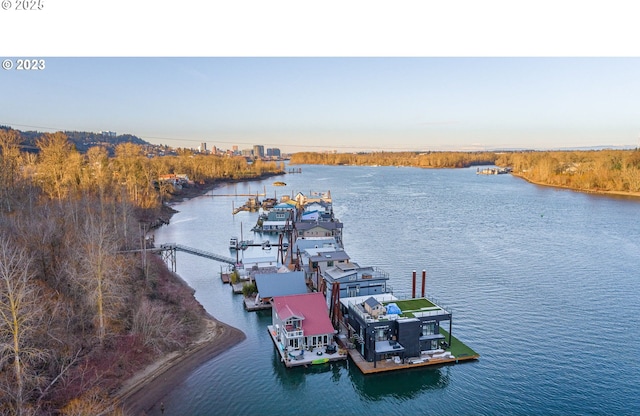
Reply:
x=20 y=312
x=9 y=166
x=100 y=272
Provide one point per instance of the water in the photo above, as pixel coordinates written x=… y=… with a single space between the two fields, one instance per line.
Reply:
x=543 y=283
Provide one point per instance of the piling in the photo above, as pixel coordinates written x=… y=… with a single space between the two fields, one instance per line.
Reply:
x=413 y=288
x=424 y=280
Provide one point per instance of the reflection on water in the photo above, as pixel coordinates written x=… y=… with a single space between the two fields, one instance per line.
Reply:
x=296 y=377
x=407 y=384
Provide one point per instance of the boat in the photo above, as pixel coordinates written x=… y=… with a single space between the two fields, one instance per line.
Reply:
x=233 y=243
x=266 y=245
x=320 y=361
x=278 y=183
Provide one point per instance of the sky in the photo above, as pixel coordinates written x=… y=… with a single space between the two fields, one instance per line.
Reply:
x=354 y=93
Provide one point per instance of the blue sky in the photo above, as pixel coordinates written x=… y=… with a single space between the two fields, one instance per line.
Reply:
x=343 y=104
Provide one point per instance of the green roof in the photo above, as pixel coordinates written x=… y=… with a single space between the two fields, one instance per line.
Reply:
x=413 y=305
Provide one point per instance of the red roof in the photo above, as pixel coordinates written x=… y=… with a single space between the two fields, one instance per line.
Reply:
x=310 y=306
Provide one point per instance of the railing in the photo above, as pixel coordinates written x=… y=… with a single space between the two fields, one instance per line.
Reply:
x=298 y=333
x=198 y=252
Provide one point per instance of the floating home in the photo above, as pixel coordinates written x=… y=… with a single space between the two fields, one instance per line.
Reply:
x=383 y=333
x=277 y=219
x=302 y=331
x=354 y=280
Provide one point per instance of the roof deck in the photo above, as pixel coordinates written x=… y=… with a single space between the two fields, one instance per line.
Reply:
x=410 y=308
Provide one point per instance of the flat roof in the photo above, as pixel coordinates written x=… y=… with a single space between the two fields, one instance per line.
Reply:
x=382 y=297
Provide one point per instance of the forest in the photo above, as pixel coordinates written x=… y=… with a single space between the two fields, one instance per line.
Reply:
x=79 y=311
x=603 y=171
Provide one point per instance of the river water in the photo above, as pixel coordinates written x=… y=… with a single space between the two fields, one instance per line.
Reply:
x=543 y=284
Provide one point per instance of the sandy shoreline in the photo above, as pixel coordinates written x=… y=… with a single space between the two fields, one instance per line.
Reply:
x=146 y=389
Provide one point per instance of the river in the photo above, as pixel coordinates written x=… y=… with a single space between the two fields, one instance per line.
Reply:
x=543 y=283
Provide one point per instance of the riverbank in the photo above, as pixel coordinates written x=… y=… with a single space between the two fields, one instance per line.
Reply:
x=587 y=191
x=144 y=391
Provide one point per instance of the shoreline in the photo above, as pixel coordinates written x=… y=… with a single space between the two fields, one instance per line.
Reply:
x=146 y=389
x=584 y=191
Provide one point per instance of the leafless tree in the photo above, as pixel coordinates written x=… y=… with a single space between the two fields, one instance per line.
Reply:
x=100 y=271
x=20 y=313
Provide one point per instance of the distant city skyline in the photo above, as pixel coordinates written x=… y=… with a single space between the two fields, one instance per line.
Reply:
x=341 y=104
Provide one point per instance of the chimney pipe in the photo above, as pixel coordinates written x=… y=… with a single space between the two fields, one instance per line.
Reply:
x=413 y=289
x=424 y=279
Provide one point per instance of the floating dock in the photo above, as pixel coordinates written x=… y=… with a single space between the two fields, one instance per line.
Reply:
x=435 y=357
x=251 y=305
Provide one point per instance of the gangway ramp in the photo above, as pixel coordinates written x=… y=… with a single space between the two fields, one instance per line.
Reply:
x=173 y=247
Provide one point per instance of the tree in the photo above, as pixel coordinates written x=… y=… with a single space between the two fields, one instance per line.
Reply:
x=59 y=165
x=99 y=272
x=20 y=311
x=9 y=166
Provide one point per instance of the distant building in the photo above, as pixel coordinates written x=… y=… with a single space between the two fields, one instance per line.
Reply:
x=258 y=150
x=202 y=148
x=273 y=152
x=108 y=133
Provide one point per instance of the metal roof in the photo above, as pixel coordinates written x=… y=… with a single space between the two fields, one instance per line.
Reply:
x=280 y=284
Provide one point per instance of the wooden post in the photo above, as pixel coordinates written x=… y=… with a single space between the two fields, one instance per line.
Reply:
x=413 y=287
x=424 y=280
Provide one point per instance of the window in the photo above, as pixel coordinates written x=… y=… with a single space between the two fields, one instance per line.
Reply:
x=428 y=328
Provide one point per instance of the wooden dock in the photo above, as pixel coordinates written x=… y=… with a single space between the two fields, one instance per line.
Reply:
x=438 y=357
x=251 y=306
x=391 y=365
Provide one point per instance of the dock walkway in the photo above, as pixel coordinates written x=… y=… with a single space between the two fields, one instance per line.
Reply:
x=197 y=252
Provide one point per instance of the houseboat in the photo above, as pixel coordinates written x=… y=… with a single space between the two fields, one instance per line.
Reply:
x=383 y=333
x=302 y=331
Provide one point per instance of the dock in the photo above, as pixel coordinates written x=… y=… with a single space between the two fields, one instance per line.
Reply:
x=251 y=305
x=306 y=358
x=436 y=357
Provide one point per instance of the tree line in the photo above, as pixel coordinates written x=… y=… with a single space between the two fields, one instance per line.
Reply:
x=79 y=312
x=416 y=159
x=593 y=171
